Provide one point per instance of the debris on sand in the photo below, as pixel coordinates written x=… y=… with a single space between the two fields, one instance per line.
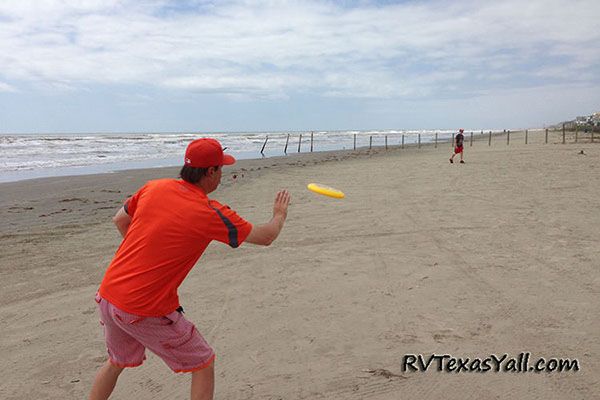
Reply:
x=383 y=372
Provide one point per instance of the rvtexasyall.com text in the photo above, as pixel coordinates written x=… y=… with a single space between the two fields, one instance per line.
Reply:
x=522 y=363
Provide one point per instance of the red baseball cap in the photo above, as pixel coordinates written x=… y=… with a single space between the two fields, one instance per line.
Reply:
x=205 y=153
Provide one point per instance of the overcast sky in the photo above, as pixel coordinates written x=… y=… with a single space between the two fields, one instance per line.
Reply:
x=115 y=66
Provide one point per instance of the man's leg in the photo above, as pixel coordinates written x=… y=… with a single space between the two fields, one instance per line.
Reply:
x=203 y=383
x=105 y=381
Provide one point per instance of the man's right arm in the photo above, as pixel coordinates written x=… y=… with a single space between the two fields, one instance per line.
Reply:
x=122 y=221
x=265 y=234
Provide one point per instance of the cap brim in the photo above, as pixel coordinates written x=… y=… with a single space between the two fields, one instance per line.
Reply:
x=228 y=160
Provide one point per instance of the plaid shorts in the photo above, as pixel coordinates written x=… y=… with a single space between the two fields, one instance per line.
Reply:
x=171 y=337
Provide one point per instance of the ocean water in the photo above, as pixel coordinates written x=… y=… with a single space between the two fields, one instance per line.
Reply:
x=27 y=156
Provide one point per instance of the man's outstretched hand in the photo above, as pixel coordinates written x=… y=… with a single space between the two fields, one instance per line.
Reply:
x=265 y=234
x=280 y=206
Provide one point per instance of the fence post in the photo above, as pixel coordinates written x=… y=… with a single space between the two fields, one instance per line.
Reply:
x=471 y=144
x=402 y=140
x=264 y=144
x=419 y=141
x=355 y=141
x=311 y=142
x=452 y=143
x=436 y=140
x=546 y=142
x=299 y=142
x=576 y=133
x=386 y=142
x=563 y=134
x=508 y=137
x=370 y=142
x=286 y=144
x=490 y=139
x=526 y=134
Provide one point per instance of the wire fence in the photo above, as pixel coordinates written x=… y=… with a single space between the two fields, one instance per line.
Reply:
x=310 y=142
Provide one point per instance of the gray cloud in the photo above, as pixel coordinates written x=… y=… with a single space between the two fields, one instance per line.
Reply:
x=275 y=48
x=5 y=87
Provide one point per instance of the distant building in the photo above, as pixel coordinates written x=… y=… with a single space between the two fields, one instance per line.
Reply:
x=582 y=122
x=585 y=120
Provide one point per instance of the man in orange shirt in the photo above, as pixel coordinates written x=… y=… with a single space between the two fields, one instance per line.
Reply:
x=166 y=226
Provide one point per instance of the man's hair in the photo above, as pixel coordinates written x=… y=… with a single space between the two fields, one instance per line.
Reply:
x=193 y=175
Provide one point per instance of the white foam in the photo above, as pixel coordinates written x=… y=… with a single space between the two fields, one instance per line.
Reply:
x=31 y=152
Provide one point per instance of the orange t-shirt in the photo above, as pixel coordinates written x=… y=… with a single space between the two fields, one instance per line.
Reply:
x=172 y=223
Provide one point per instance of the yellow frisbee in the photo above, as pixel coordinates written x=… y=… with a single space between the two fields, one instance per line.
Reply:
x=325 y=190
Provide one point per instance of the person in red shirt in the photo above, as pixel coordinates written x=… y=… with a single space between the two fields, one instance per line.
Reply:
x=458 y=148
x=166 y=226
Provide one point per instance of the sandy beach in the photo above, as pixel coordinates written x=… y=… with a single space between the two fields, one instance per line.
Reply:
x=499 y=255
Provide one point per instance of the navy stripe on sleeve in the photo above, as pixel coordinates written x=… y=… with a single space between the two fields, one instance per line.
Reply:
x=231 y=228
